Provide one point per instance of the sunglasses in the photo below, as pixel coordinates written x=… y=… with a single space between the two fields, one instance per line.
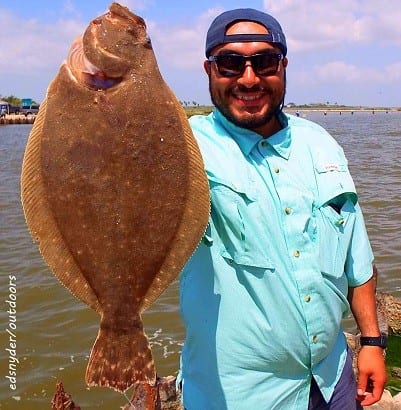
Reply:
x=232 y=65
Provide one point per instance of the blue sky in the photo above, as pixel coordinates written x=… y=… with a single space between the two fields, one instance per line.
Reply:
x=343 y=51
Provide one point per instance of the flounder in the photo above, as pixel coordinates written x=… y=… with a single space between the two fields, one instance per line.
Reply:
x=114 y=188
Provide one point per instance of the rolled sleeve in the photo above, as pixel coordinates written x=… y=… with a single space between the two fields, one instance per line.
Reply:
x=358 y=266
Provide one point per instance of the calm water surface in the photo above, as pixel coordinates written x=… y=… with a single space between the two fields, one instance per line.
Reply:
x=55 y=331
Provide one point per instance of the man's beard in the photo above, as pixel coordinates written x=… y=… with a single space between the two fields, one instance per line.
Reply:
x=251 y=122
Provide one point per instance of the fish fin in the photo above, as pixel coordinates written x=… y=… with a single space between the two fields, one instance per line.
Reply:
x=194 y=220
x=42 y=222
x=119 y=360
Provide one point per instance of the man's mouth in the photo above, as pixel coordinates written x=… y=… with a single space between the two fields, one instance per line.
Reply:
x=248 y=96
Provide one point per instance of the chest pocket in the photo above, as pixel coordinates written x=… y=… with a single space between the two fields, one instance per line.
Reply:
x=335 y=217
x=235 y=216
x=334 y=235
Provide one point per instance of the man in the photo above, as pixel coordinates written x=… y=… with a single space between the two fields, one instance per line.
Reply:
x=263 y=296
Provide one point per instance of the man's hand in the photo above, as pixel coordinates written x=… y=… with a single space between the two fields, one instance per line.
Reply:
x=371 y=375
x=372 y=370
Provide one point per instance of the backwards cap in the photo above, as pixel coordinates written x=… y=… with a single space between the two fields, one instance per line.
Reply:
x=216 y=34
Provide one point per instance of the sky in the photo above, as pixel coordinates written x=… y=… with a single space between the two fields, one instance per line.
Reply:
x=340 y=52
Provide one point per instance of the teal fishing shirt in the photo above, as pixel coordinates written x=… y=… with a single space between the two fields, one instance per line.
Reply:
x=263 y=296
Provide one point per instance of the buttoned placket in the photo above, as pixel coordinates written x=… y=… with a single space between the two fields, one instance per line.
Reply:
x=295 y=243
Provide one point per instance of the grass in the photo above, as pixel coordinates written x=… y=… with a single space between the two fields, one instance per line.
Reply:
x=393 y=359
x=200 y=110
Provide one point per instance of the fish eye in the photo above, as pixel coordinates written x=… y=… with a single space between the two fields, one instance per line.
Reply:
x=148 y=42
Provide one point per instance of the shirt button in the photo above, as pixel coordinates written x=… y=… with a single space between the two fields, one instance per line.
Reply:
x=307 y=298
x=287 y=210
x=340 y=222
x=264 y=143
x=276 y=170
x=315 y=339
x=297 y=253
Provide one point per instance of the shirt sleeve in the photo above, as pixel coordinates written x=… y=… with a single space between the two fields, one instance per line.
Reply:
x=359 y=262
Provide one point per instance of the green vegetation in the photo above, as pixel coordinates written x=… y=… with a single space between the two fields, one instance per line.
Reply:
x=13 y=100
x=206 y=109
x=393 y=359
x=193 y=108
x=336 y=107
x=198 y=110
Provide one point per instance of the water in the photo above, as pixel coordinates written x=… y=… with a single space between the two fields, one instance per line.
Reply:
x=55 y=331
x=371 y=143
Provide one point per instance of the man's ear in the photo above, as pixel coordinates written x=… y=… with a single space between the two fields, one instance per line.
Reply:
x=207 y=67
x=285 y=62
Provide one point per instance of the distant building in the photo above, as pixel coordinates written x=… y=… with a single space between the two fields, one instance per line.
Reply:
x=4 y=108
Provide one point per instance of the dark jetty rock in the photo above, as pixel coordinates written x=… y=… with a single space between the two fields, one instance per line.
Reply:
x=17 y=119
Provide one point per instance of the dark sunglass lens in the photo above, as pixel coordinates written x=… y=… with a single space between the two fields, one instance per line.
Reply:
x=230 y=64
x=265 y=64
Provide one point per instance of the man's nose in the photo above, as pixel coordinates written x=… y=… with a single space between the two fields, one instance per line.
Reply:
x=248 y=78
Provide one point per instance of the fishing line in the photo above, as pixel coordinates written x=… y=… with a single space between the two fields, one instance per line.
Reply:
x=128 y=400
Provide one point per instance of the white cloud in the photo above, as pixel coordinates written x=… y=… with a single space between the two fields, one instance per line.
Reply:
x=182 y=47
x=343 y=73
x=314 y=24
x=344 y=44
x=37 y=46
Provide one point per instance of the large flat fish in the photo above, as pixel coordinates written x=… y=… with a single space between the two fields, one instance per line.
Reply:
x=114 y=188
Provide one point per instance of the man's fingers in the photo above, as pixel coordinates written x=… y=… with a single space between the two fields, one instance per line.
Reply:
x=362 y=384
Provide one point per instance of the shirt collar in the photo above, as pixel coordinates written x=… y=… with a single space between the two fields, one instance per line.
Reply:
x=247 y=139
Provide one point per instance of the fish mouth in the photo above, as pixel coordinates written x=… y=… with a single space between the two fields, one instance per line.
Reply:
x=100 y=59
x=86 y=73
x=119 y=14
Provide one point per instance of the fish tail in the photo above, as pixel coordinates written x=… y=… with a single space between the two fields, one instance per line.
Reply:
x=120 y=359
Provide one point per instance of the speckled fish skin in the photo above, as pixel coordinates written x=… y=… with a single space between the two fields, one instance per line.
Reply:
x=114 y=189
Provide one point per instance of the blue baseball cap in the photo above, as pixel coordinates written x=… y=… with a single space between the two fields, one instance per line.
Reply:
x=216 y=34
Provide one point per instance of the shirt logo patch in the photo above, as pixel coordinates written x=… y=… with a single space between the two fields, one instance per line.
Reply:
x=332 y=167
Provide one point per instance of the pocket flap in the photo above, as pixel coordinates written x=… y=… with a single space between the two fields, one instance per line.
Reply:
x=333 y=180
x=239 y=187
x=252 y=260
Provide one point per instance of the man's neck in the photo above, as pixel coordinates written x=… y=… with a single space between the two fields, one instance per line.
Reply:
x=267 y=130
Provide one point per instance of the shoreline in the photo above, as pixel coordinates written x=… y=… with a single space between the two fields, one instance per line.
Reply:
x=206 y=109
x=11 y=119
x=351 y=110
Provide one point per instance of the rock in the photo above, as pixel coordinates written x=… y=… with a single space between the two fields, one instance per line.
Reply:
x=168 y=394
x=382 y=314
x=62 y=400
x=353 y=343
x=396 y=372
x=391 y=307
x=389 y=316
x=386 y=403
x=397 y=401
x=168 y=397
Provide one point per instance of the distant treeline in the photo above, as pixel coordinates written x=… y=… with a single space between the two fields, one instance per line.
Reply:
x=328 y=106
x=13 y=100
x=192 y=107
